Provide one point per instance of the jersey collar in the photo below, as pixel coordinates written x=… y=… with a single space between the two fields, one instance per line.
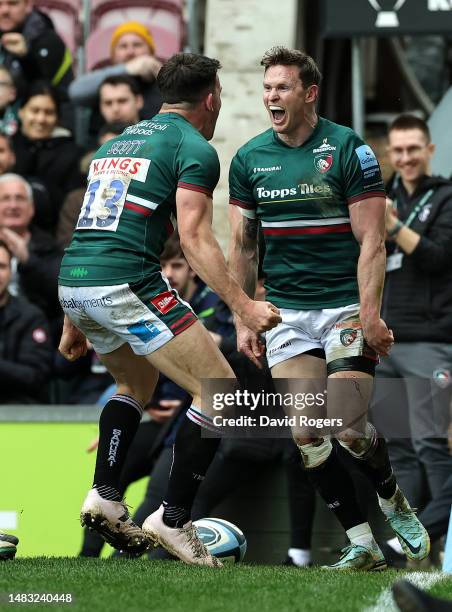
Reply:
x=313 y=134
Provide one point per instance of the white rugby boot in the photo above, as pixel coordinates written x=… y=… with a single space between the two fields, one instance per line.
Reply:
x=183 y=542
x=111 y=519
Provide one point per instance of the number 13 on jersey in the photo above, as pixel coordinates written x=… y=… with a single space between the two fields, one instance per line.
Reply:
x=103 y=203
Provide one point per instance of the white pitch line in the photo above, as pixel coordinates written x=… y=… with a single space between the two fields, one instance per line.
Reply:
x=423 y=580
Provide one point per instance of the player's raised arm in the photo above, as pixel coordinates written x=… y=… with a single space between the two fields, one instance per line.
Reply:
x=367 y=219
x=194 y=211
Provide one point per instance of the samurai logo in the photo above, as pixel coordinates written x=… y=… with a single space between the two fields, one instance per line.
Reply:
x=348 y=336
x=114 y=443
x=323 y=162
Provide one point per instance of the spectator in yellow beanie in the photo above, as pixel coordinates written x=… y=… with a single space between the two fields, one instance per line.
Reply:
x=132 y=50
x=129 y=40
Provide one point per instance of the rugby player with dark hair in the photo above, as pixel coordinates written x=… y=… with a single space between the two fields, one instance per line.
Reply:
x=113 y=293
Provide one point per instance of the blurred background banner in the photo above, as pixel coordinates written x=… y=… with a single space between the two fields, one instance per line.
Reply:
x=387 y=17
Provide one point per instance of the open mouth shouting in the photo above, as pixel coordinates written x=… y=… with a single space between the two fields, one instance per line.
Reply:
x=278 y=114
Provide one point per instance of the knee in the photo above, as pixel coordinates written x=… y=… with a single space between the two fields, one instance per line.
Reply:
x=314 y=453
x=142 y=392
x=358 y=444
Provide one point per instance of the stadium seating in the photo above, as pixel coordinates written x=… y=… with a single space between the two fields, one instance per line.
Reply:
x=163 y=17
x=166 y=14
x=65 y=16
x=97 y=46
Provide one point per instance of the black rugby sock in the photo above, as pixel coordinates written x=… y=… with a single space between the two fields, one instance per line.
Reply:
x=375 y=464
x=192 y=455
x=118 y=425
x=335 y=485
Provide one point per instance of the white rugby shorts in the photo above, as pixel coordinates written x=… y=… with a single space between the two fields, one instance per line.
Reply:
x=112 y=315
x=337 y=331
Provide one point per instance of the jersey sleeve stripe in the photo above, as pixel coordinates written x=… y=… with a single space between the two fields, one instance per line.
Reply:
x=241 y=204
x=307 y=222
x=325 y=229
x=365 y=196
x=141 y=201
x=249 y=214
x=245 y=209
x=138 y=209
x=198 y=188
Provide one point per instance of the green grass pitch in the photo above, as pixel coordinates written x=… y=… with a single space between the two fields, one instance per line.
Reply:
x=142 y=585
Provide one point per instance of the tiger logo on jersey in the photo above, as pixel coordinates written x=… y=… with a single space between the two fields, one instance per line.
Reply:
x=323 y=162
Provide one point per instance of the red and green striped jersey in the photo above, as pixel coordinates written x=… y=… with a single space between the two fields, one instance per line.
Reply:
x=301 y=196
x=129 y=208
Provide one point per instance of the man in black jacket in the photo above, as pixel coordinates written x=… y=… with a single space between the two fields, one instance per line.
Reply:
x=25 y=347
x=413 y=411
x=36 y=258
x=31 y=49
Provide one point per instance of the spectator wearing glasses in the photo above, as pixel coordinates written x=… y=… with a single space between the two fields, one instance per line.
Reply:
x=417 y=305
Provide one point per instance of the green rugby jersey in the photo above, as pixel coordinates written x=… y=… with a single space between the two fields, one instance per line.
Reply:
x=301 y=196
x=129 y=209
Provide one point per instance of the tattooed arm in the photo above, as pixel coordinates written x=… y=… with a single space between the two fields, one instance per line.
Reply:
x=243 y=250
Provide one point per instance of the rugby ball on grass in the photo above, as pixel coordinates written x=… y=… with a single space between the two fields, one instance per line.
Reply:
x=223 y=539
